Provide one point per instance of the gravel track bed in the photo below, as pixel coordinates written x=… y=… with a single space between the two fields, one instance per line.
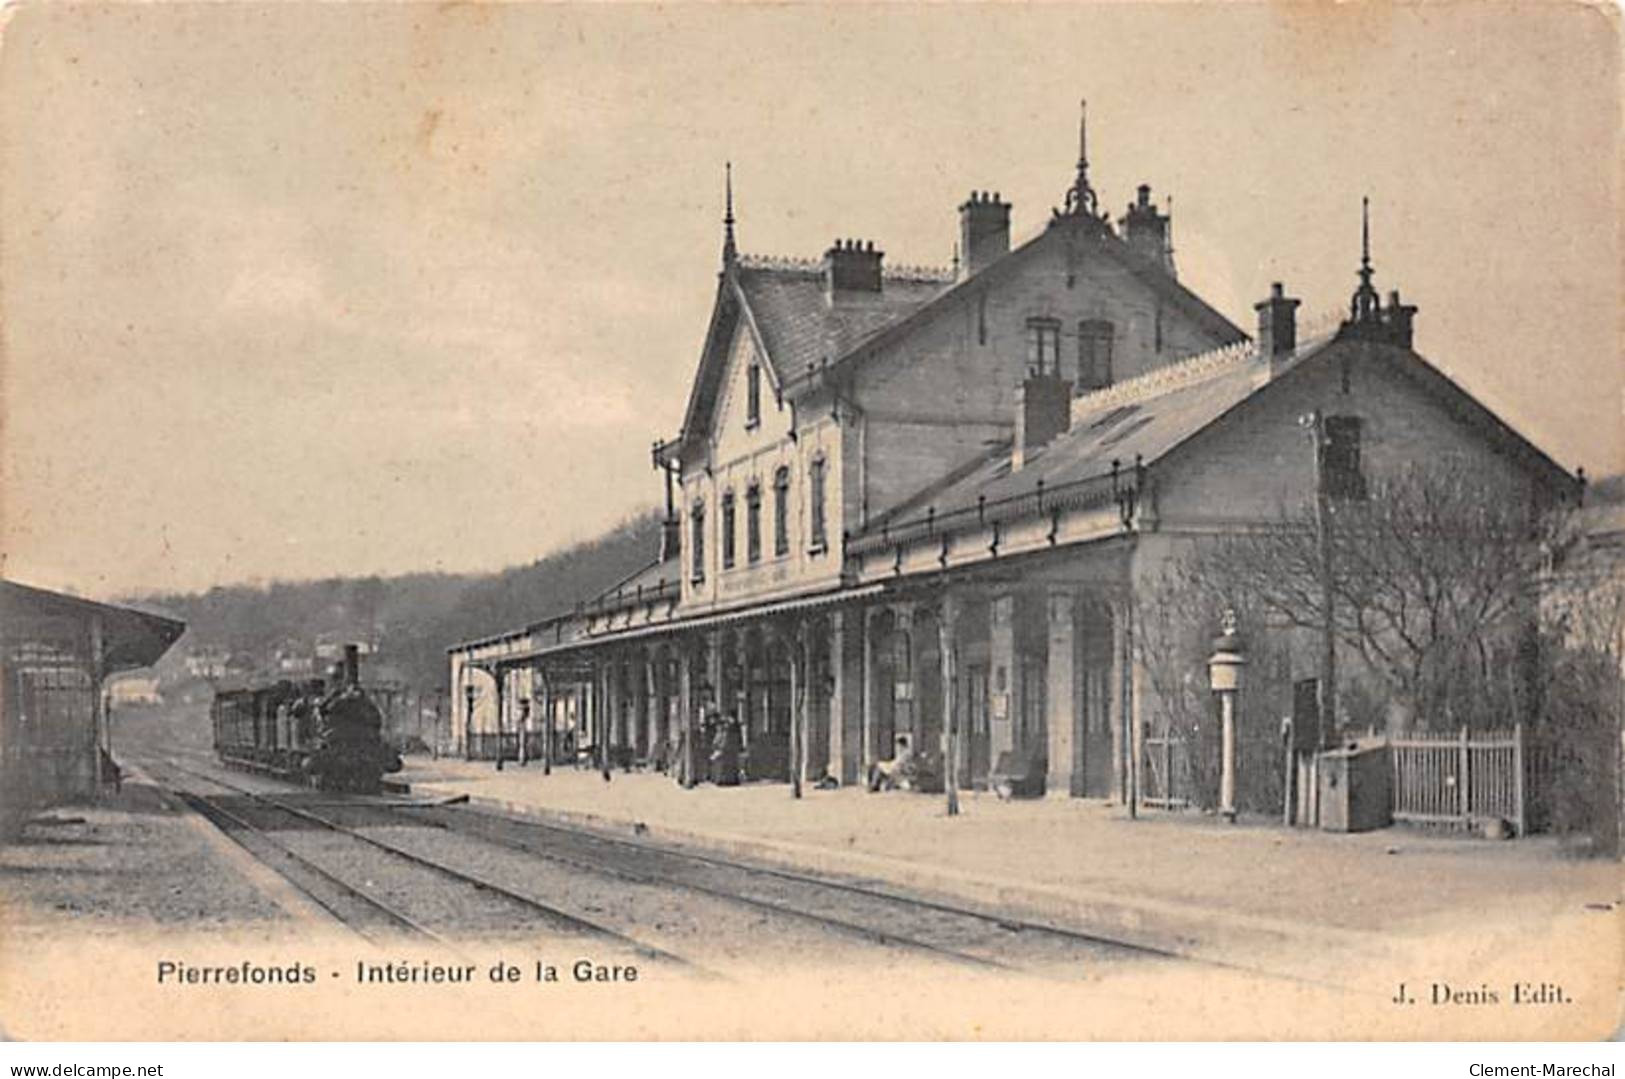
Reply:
x=130 y=862
x=1037 y=951
x=440 y=903
x=428 y=897
x=715 y=910
x=713 y=930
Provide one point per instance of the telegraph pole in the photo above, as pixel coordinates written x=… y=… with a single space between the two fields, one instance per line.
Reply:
x=1327 y=704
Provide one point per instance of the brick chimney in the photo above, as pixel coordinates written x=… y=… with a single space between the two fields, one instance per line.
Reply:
x=1043 y=411
x=851 y=268
x=671 y=538
x=984 y=231
x=1277 y=324
x=1400 y=318
x=1145 y=229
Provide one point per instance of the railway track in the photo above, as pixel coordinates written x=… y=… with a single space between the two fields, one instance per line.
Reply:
x=959 y=933
x=348 y=904
x=254 y=819
x=643 y=875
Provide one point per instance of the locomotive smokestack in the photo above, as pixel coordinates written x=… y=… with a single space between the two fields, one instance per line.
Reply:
x=352 y=665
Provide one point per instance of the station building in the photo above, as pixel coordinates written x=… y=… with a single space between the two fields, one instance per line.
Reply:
x=905 y=502
x=56 y=654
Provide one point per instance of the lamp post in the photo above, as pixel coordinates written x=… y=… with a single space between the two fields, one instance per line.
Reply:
x=1224 y=675
x=524 y=730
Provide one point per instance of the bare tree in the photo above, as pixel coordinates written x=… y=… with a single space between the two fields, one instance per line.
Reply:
x=1177 y=613
x=1435 y=582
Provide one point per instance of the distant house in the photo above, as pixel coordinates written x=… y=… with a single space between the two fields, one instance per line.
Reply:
x=331 y=649
x=135 y=690
x=294 y=662
x=207 y=663
x=56 y=654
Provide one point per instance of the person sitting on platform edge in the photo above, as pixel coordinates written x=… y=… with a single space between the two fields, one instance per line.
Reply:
x=897 y=773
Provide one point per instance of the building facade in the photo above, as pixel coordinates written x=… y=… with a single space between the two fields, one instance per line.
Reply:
x=916 y=505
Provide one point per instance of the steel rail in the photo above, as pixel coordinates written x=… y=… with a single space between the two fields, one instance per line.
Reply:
x=215 y=812
x=1003 y=921
x=555 y=914
x=829 y=921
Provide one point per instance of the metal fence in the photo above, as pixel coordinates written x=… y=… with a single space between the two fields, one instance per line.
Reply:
x=1464 y=778
x=487 y=746
x=1166 y=772
x=1459 y=780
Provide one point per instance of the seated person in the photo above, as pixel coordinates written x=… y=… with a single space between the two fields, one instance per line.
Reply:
x=897 y=773
x=1018 y=774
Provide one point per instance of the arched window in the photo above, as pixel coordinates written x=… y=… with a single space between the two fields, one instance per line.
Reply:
x=728 y=533
x=696 y=525
x=753 y=522
x=819 y=539
x=781 y=513
x=753 y=395
x=1094 y=354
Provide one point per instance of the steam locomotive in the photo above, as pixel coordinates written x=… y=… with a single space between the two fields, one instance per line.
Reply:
x=306 y=732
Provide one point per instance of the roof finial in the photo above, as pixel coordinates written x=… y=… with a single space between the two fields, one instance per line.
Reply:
x=730 y=252
x=1083 y=136
x=1366 y=303
x=1081 y=197
x=1365 y=232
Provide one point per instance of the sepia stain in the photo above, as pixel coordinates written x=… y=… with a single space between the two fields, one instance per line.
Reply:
x=1316 y=36
x=426 y=129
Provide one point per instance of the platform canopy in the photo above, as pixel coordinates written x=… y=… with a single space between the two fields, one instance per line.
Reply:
x=131 y=638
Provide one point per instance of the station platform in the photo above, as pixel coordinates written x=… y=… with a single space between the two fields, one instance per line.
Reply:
x=1254 y=893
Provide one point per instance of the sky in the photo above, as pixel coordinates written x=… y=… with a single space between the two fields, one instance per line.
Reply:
x=290 y=291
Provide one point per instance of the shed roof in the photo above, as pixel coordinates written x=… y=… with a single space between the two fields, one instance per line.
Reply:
x=132 y=638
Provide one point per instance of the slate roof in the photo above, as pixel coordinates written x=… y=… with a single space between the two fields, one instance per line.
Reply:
x=1603 y=515
x=651 y=581
x=1069 y=228
x=784 y=300
x=1142 y=418
x=799 y=327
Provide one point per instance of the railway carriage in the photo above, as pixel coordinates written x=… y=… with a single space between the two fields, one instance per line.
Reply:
x=329 y=738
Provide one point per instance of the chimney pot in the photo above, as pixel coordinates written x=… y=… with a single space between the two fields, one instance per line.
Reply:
x=984 y=231
x=1400 y=318
x=1145 y=229
x=1277 y=323
x=850 y=266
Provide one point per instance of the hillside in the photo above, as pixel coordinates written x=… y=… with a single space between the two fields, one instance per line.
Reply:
x=412 y=618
